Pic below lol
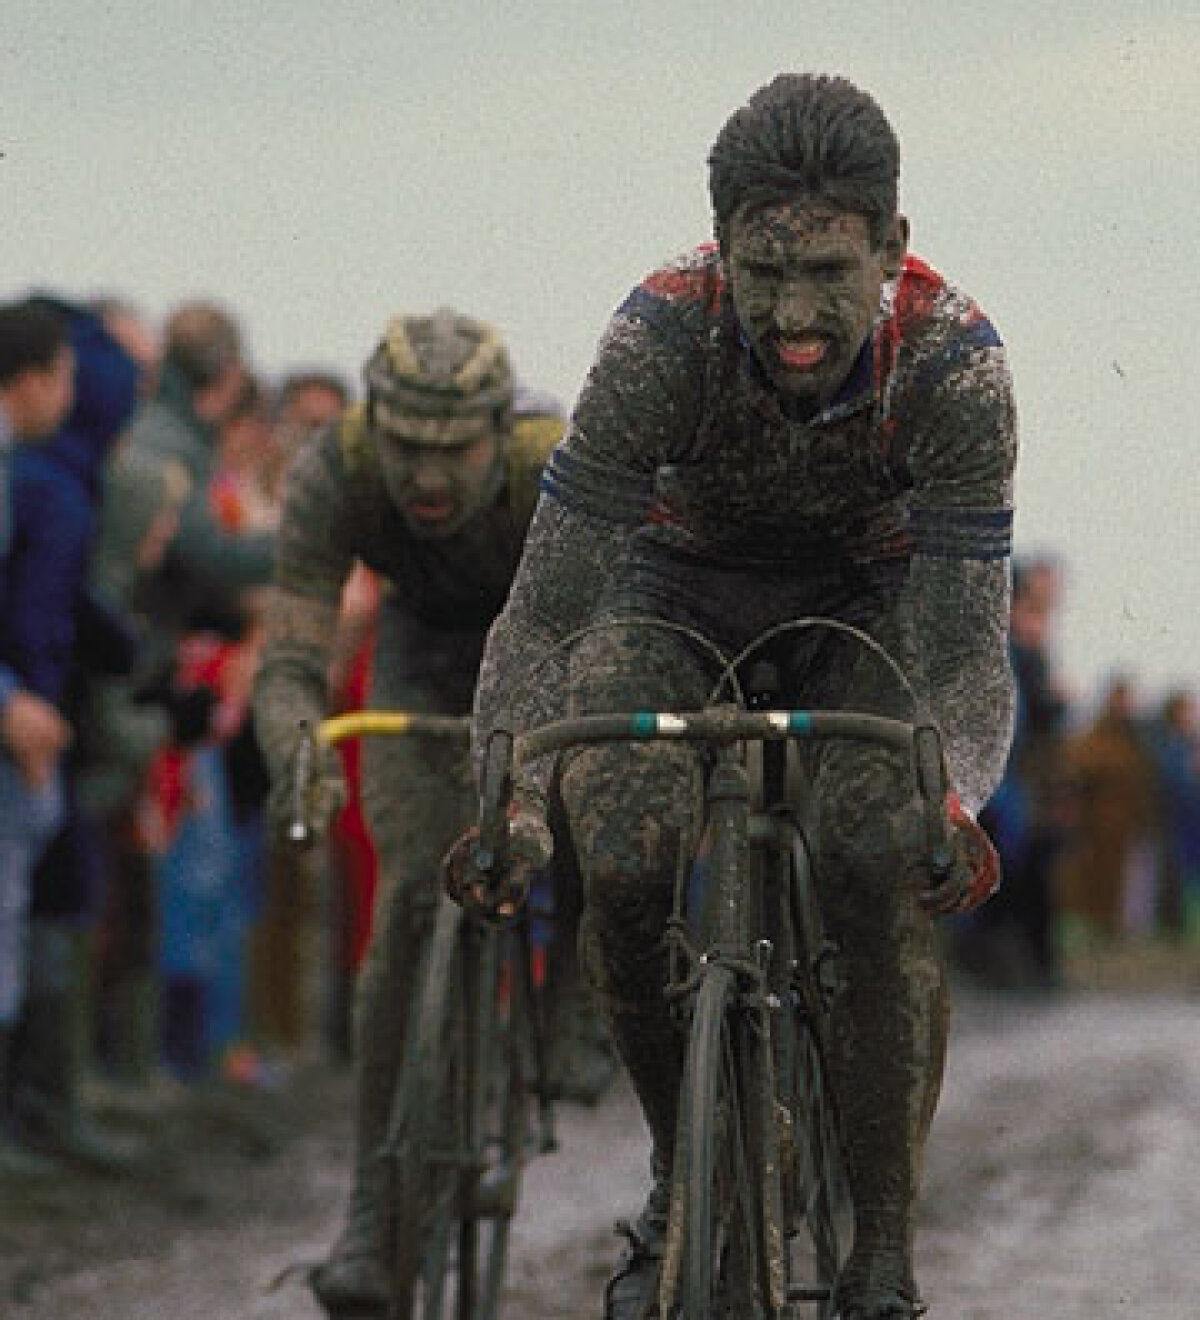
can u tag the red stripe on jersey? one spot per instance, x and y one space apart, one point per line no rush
701 283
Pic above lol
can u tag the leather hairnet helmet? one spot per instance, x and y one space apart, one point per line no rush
442 379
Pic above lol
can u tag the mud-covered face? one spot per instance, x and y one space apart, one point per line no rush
438 488
806 281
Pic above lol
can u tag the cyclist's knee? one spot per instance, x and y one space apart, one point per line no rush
629 807
624 922
630 812
872 827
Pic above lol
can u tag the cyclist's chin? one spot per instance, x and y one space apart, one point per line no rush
813 385
431 521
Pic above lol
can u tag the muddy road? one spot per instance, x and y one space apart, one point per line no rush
1064 1181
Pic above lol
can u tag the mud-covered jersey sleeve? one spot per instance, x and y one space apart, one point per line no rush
313 560
315 548
960 441
637 407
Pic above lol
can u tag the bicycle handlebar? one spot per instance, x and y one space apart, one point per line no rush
718 727
339 728
723 726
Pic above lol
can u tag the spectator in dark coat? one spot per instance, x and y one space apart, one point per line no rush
201 382
1102 875
58 632
36 383
1012 941
1174 741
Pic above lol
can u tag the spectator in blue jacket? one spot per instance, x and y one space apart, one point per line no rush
36 384
57 634
56 490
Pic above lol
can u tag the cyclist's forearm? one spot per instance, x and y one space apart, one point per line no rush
961 618
515 645
961 461
523 679
292 680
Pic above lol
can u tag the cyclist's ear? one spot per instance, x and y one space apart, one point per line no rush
895 247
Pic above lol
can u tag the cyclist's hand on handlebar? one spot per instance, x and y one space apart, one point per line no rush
974 872
498 895
305 823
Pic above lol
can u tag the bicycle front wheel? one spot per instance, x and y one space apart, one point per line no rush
819 1194
718 1184
458 1132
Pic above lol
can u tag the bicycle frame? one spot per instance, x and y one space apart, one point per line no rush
743 902
760 927
454 999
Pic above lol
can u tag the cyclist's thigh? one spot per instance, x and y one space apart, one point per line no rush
417 798
870 823
612 791
631 809
418 790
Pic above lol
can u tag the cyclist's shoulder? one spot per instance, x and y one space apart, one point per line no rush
319 480
682 296
648 376
531 442
346 443
928 321
538 425
945 386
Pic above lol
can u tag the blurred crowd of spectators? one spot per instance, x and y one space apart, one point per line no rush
147 926
1097 819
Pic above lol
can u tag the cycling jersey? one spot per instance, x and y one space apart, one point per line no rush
681 458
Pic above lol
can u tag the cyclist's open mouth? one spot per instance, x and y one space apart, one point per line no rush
802 354
430 512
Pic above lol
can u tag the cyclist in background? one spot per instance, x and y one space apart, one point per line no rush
430 483
798 419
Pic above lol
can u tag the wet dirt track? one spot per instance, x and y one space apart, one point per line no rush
1064 1181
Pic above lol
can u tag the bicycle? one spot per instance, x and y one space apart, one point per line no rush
757 1157
461 1127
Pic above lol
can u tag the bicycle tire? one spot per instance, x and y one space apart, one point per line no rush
818 1188
717 1171
458 1134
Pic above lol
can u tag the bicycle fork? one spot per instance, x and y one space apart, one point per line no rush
734 917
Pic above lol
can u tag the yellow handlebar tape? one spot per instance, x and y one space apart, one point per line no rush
340 727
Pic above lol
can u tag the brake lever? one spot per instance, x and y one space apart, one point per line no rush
930 767
300 830
495 795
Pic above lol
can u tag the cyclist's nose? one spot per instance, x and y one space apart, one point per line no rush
796 309
428 475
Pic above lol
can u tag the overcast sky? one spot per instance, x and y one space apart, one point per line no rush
320 164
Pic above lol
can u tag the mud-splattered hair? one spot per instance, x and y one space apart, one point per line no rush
808 135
